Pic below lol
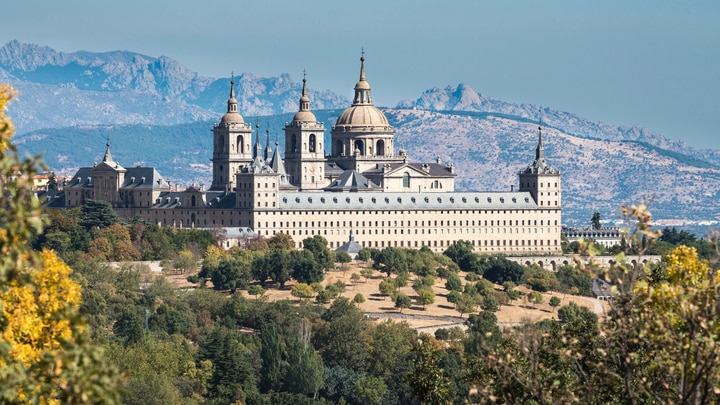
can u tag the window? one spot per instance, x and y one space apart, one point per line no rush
312 142
406 180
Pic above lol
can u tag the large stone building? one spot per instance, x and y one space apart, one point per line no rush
361 186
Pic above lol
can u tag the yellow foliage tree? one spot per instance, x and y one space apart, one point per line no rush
44 355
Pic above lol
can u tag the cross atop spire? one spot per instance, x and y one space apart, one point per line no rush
108 157
362 65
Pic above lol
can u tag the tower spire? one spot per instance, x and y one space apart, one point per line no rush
268 151
540 150
304 100
108 157
232 102
362 88
362 65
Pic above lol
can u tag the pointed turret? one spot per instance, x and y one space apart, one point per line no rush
304 114
540 150
362 87
232 116
540 165
257 150
108 157
268 151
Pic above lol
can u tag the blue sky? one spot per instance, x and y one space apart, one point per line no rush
650 63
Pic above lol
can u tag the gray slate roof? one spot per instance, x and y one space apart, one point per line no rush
406 201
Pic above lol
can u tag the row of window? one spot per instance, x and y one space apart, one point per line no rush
374 200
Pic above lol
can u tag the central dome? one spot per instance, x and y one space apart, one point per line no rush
362 116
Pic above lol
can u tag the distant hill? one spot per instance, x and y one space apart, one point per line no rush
84 88
70 102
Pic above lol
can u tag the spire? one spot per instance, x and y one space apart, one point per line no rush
232 102
268 151
304 100
108 157
362 65
540 150
257 151
362 88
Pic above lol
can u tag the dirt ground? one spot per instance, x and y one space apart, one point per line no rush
439 314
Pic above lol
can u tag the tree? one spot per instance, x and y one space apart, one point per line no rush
366 273
535 298
391 260
343 257
454 297
402 301
364 255
305 267
359 298
279 265
97 214
461 252
369 390
355 278
318 246
343 337
596 220
44 353
453 283
387 287
281 241
256 290
425 296
467 304
554 302
427 379
499 270
490 303
302 290
305 367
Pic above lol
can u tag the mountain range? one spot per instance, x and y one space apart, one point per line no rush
159 113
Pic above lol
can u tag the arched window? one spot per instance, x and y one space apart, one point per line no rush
339 150
221 146
312 143
406 180
240 145
293 143
360 147
380 148
192 203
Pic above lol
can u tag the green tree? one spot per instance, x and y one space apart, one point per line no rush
387 287
554 302
425 296
256 290
427 379
318 246
305 367
595 221
281 241
454 297
499 270
535 297
305 267
369 390
490 303
343 257
467 304
302 290
343 336
453 283
359 298
402 301
391 260
364 255
97 214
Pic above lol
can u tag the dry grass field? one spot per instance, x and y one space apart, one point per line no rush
440 313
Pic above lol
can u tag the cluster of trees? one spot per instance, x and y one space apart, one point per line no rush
94 231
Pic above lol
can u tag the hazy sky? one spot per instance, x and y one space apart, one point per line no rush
651 63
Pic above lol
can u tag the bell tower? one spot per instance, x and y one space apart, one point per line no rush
231 145
304 151
542 180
